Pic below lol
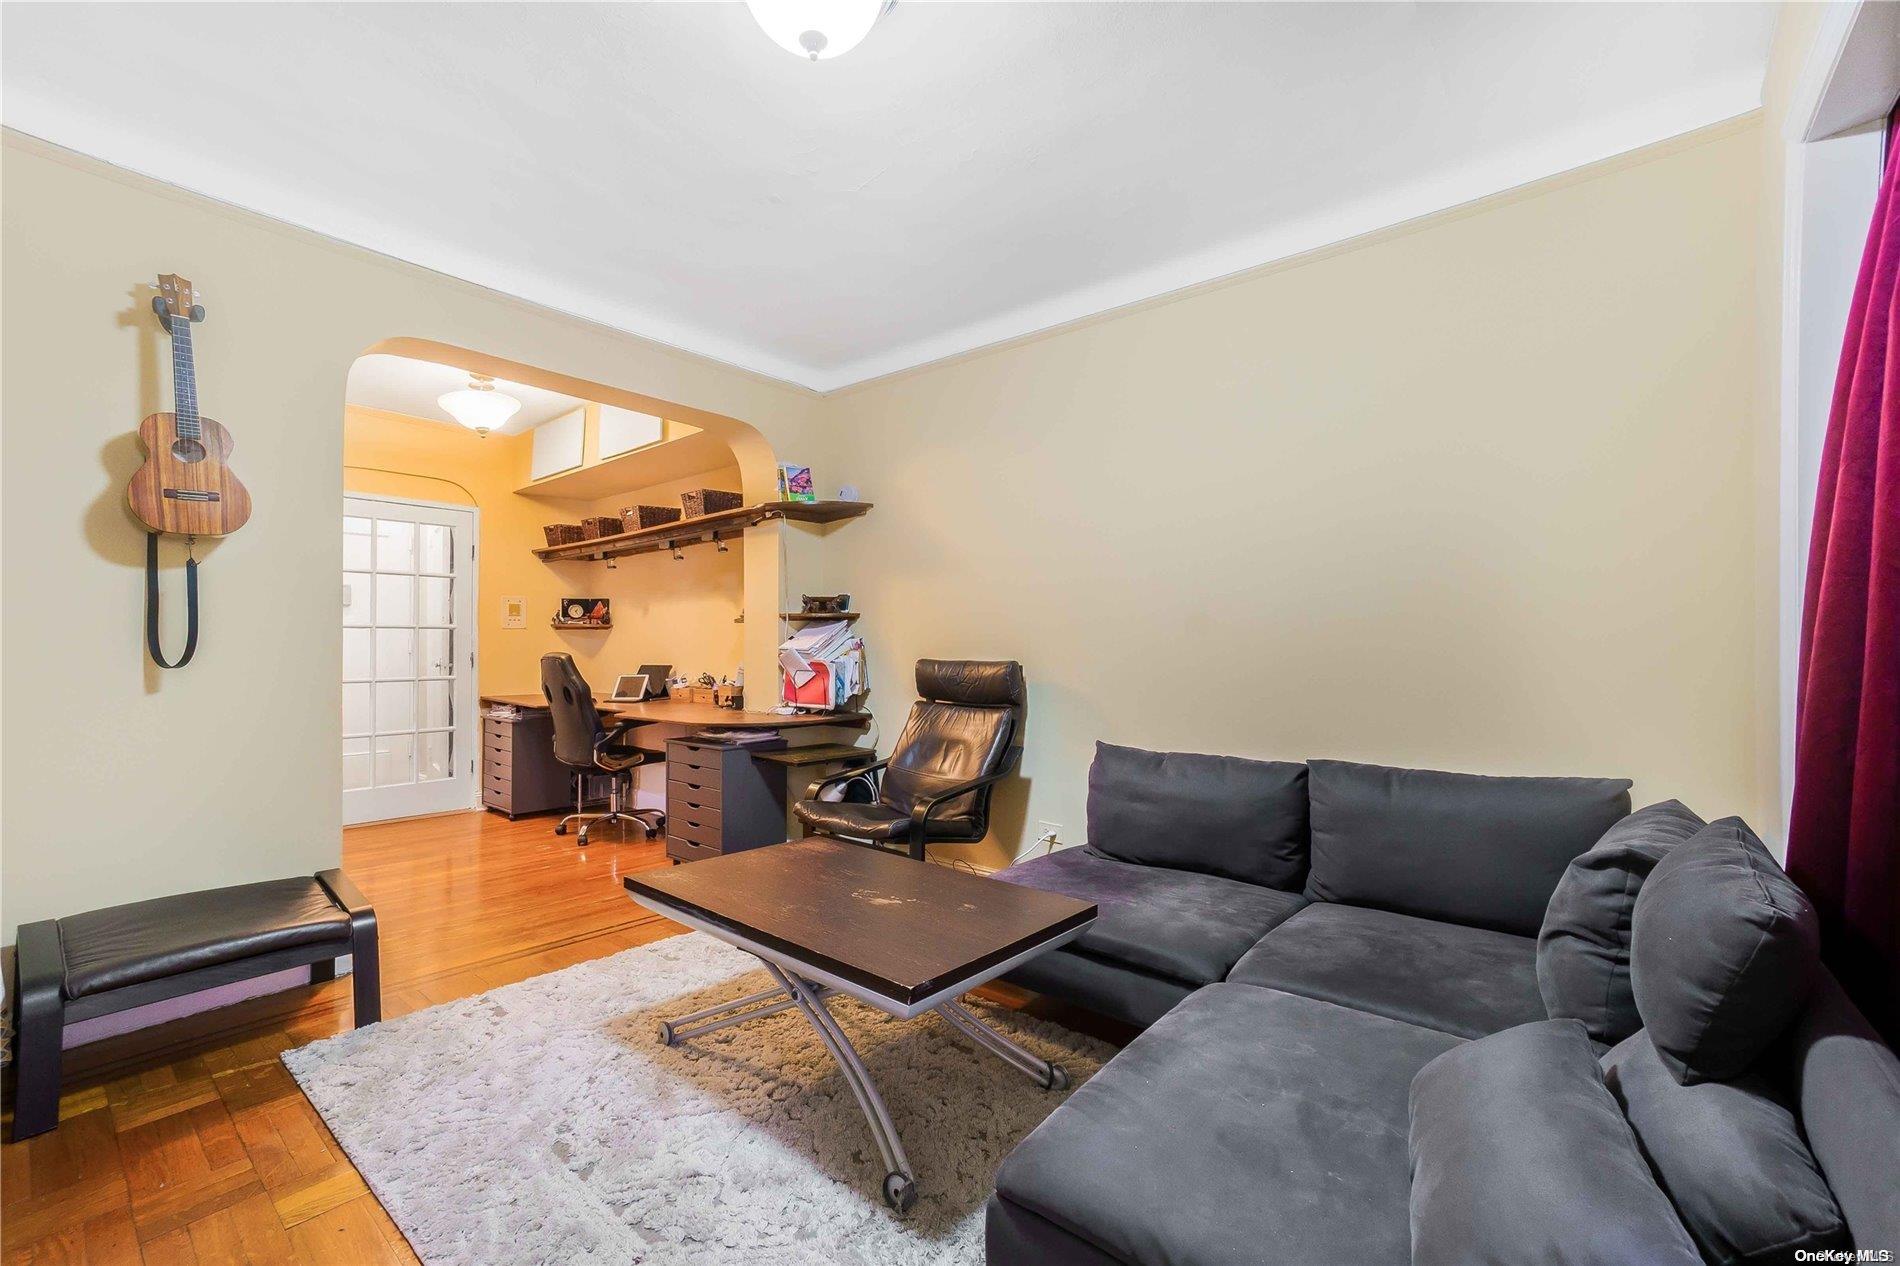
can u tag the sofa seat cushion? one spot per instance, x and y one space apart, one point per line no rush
168 936
1247 1125
1177 923
1461 980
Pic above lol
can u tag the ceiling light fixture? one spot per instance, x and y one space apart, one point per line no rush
818 29
478 406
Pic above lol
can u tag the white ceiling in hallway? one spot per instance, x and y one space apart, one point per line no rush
970 173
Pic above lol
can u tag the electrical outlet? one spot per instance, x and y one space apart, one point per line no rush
1049 833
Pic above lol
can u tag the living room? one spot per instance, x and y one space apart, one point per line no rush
1438 388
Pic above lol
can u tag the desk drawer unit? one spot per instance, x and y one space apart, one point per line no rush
720 800
519 772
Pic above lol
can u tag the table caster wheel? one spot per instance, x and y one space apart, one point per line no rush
666 1033
560 829
1058 1078
900 1192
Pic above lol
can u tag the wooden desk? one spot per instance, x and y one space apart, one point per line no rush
711 716
520 774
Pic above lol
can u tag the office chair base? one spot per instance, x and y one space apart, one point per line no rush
651 821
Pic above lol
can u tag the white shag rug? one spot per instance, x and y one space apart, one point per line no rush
545 1122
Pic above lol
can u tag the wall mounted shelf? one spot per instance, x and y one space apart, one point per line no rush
703 530
580 624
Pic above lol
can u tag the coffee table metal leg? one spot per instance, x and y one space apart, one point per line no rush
900 1182
1049 1076
726 1014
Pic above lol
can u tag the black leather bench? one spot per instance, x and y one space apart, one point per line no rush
133 955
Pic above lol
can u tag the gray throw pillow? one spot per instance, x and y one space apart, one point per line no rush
1219 815
1462 848
1731 1156
1583 949
1519 1154
1724 951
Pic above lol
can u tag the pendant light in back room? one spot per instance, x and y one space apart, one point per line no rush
818 29
478 406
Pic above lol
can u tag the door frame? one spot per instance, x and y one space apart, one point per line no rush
474 632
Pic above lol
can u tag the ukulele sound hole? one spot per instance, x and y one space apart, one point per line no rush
188 450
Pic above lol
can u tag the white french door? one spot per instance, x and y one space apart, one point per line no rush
409 725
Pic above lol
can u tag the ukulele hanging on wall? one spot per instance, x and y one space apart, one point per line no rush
184 488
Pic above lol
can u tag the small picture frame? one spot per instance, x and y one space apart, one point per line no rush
794 483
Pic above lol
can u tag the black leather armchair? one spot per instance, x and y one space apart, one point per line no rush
589 749
963 737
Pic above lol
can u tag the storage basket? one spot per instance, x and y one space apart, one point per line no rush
563 533
633 518
598 525
703 501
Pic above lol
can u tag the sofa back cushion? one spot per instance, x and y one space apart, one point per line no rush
1846 1083
1583 949
1219 815
1464 848
1731 1156
1724 951
1519 1154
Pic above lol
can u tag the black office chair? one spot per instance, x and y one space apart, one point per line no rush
964 735
590 749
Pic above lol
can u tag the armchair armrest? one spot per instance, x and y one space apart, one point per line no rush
612 738
811 792
920 811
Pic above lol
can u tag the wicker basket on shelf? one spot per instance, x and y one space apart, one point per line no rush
598 525
704 501
633 518
563 533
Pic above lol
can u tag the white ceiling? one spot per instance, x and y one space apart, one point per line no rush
402 385
972 172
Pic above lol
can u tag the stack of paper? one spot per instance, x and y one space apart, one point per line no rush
823 665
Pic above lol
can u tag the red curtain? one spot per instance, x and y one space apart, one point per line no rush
1844 833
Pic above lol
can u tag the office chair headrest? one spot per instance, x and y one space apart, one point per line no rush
972 681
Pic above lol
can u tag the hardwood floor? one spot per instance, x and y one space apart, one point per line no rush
190 1143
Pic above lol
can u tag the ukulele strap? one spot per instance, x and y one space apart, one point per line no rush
151 603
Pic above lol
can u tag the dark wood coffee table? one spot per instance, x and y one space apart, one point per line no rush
903 936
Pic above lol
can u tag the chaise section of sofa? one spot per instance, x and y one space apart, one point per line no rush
1246 1125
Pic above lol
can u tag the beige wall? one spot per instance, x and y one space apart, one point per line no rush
121 782
1481 494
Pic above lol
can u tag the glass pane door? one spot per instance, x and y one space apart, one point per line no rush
408 659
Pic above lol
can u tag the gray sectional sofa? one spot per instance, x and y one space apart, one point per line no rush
1399 1015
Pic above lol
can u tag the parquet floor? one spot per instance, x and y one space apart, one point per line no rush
189 1143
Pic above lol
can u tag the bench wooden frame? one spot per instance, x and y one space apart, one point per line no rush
42 1010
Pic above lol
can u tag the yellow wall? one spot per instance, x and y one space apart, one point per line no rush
666 611
121 782
1479 494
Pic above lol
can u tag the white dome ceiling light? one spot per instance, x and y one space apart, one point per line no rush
478 406
818 29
